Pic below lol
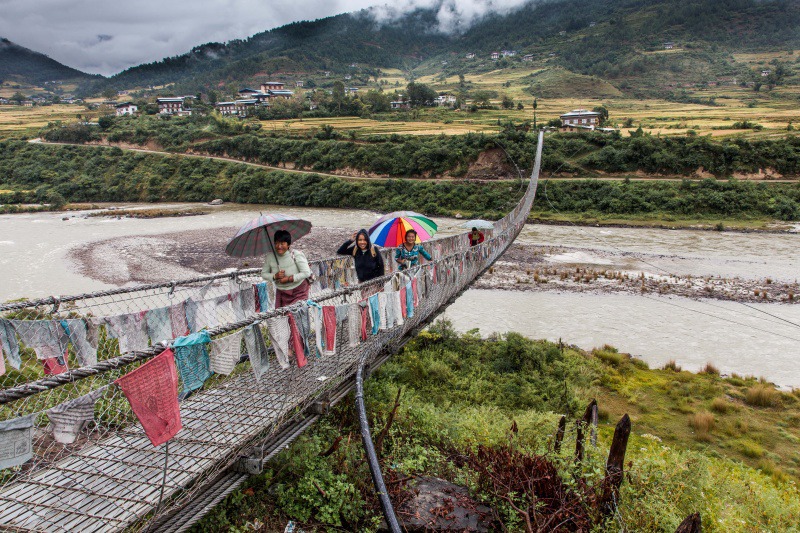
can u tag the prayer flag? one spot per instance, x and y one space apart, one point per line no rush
151 390
16 441
192 359
68 418
225 353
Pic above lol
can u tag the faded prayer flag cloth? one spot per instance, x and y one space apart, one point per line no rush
55 365
256 350
2 363
192 359
364 319
8 343
45 337
315 324
296 339
329 321
152 391
225 353
76 332
177 318
130 329
403 304
353 324
262 297
159 326
415 290
69 417
16 441
279 333
375 315
409 299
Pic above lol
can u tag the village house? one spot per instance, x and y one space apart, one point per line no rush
527 57
172 106
562 33
445 100
27 103
122 93
126 108
272 86
495 55
247 92
401 104
470 56
580 119
226 108
592 24
669 45
298 83
509 53
4 101
765 73
351 90
244 108
348 77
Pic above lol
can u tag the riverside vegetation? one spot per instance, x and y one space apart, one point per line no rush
58 174
725 447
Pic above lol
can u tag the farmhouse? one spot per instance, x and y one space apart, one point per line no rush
126 108
248 92
445 99
272 86
470 56
298 83
669 45
765 73
495 55
172 106
581 118
351 90
401 104
226 108
527 57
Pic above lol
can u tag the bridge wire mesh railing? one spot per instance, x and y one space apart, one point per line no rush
106 469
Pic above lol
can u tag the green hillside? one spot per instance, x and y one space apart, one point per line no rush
620 41
22 65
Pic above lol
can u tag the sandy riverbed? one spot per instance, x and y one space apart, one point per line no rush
524 267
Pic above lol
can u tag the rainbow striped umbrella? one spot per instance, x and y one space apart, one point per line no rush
255 237
390 230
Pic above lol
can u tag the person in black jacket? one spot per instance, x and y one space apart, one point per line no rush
367 256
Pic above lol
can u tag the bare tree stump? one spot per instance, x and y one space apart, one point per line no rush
582 423
593 423
562 428
690 525
615 465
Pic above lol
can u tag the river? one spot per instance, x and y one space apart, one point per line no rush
35 262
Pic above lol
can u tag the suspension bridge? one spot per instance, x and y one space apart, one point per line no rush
73 453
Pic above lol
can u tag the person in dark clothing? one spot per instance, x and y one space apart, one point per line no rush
367 256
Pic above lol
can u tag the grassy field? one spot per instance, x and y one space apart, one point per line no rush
16 120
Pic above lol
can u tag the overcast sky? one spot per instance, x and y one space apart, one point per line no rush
103 37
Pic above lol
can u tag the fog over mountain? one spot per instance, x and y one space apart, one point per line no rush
104 38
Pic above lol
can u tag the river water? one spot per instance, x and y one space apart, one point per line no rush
34 262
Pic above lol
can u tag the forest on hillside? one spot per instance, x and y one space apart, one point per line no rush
605 38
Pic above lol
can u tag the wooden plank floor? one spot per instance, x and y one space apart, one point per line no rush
110 485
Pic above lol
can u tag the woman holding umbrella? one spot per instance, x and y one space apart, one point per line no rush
366 256
407 255
288 269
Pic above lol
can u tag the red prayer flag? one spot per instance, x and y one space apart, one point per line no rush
152 391
54 365
297 342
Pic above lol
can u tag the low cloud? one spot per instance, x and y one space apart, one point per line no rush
453 16
99 37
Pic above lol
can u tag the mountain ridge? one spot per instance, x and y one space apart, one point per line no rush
23 65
